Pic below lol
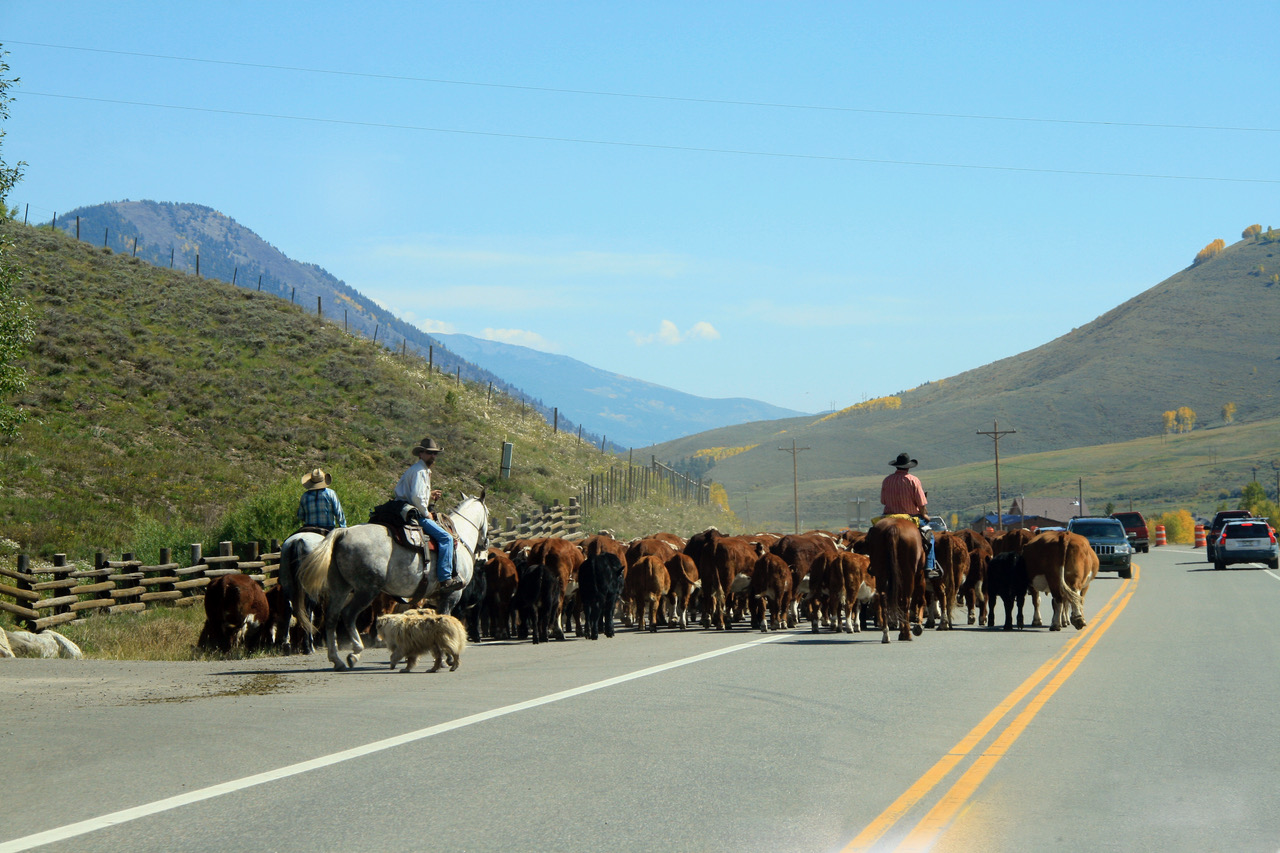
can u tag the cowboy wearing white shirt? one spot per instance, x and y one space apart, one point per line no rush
415 488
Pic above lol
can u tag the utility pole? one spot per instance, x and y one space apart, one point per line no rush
996 434
795 477
1275 466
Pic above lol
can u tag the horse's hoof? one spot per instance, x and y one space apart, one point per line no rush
917 629
352 660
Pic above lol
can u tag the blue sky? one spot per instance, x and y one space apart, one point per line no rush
805 203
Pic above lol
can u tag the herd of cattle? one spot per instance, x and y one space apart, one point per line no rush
541 588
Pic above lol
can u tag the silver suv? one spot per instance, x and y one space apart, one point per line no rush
1249 540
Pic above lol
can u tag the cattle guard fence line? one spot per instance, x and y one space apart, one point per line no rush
62 593
631 483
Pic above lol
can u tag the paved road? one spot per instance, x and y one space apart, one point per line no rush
1153 729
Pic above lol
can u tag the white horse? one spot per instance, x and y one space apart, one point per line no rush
354 564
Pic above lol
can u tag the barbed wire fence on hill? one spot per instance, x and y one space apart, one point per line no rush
391 332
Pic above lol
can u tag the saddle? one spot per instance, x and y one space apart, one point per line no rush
401 520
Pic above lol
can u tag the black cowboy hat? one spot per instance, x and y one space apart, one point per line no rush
427 445
904 461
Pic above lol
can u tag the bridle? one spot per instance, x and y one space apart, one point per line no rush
482 532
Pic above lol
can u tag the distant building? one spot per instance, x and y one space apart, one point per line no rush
1035 512
1047 512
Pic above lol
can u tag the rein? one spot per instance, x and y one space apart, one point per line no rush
481 536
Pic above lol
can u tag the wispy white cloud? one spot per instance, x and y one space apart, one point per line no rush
520 337
669 334
439 326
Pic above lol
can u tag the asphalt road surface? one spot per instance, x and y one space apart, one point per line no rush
1152 729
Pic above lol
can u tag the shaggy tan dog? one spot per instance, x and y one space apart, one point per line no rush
416 632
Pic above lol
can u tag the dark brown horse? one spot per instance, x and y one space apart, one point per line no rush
897 555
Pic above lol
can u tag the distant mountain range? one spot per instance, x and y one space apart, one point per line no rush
624 411
627 411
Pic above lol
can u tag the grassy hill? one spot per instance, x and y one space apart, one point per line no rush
167 409
192 237
1202 338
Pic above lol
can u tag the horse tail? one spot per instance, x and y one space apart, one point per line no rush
313 572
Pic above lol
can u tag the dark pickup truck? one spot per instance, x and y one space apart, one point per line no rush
1135 529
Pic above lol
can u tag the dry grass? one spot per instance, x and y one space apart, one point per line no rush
162 633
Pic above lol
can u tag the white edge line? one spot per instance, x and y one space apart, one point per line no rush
84 827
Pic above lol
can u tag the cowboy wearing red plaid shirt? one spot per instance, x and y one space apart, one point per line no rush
902 493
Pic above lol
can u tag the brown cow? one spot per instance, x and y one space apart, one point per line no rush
897 555
974 590
938 596
684 581
235 613
849 586
561 557
1061 564
799 550
501 581
770 591
815 598
604 541
646 585
732 562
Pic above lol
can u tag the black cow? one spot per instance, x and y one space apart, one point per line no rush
599 585
538 599
471 605
1007 580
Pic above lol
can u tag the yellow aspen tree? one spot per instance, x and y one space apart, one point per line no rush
1170 421
1251 231
1229 412
1186 419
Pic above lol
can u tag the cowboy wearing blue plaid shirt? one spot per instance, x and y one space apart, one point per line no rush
320 506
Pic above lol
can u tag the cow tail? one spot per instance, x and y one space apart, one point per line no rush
1069 594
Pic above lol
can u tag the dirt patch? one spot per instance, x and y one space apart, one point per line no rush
262 684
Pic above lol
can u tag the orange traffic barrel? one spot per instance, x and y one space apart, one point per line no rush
1160 540
1201 540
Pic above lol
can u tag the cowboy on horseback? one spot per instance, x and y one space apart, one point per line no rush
415 488
903 494
319 508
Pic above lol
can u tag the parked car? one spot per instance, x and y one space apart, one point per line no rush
1109 542
1135 527
937 524
1251 540
1215 530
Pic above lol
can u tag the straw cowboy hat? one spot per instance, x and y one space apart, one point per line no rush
317 479
427 445
904 461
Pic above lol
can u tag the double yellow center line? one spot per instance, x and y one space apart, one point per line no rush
926 832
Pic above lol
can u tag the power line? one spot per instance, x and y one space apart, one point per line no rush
660 147
650 97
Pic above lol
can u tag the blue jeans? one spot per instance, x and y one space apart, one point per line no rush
444 544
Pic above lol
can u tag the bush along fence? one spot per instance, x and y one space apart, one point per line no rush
632 482
55 595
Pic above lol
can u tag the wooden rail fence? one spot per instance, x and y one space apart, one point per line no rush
62 593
